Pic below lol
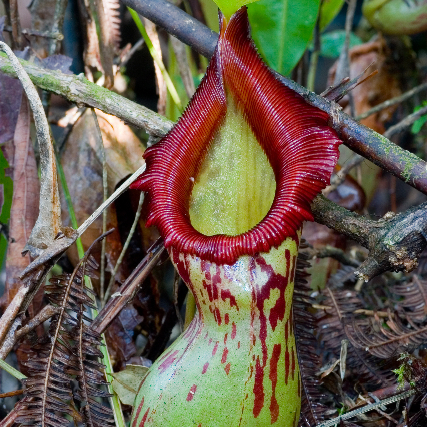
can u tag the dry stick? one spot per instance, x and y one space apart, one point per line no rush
54 43
367 408
58 21
30 32
81 91
110 200
15 334
407 121
340 176
11 393
129 289
104 38
48 223
14 20
128 55
392 101
184 69
12 310
162 91
58 247
314 58
125 247
105 196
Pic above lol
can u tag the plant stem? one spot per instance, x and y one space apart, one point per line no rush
125 247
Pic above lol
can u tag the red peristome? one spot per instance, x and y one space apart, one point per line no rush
295 136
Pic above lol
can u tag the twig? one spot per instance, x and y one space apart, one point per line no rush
394 243
343 66
12 393
128 55
110 200
129 288
125 247
84 93
340 176
407 121
178 23
105 196
12 310
392 101
14 20
104 39
29 32
338 254
48 223
59 246
15 334
184 68
367 408
54 43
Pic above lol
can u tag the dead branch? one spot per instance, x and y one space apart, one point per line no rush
129 289
394 242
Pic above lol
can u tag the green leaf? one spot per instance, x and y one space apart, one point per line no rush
282 30
7 183
418 124
328 11
228 7
126 383
332 43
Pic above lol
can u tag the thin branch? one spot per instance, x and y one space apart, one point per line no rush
60 245
129 53
12 310
180 52
336 253
110 200
48 223
105 196
84 93
104 38
394 243
14 20
30 32
340 176
392 101
15 334
367 408
407 121
129 289
178 23
125 247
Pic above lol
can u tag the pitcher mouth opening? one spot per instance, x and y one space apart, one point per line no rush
300 147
